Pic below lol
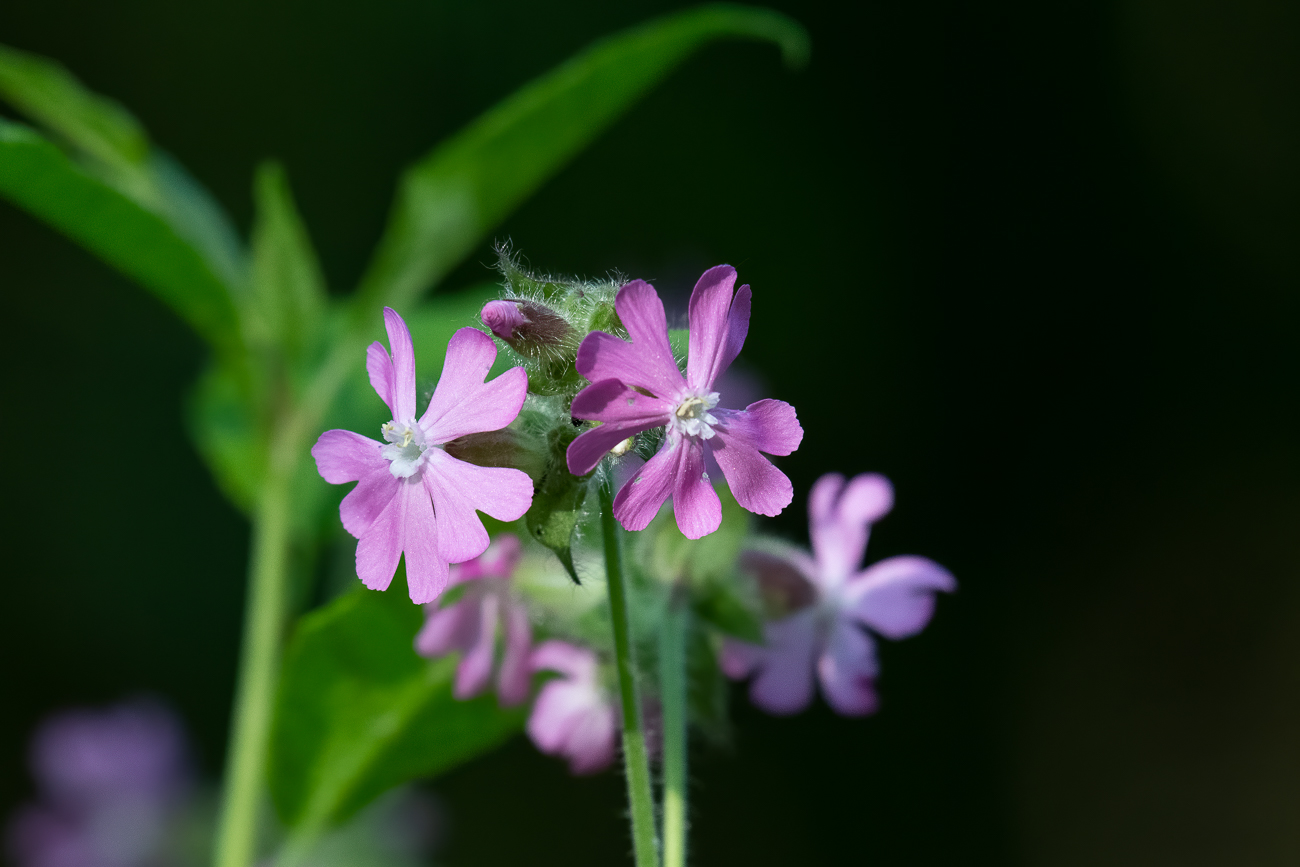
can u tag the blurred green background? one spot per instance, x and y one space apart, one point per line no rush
1040 265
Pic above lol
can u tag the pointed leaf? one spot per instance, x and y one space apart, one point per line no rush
449 201
287 282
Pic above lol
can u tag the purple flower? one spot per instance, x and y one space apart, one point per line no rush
413 497
470 625
832 603
637 386
111 784
572 717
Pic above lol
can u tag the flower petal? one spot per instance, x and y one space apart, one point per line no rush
568 659
380 546
770 426
459 488
475 669
847 670
639 500
403 355
426 567
757 485
343 456
558 709
463 403
695 504
450 628
379 364
648 360
739 659
623 413
840 518
895 597
590 744
363 503
718 325
515 676
784 684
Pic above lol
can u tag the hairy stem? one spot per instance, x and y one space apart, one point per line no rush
672 694
636 761
259 659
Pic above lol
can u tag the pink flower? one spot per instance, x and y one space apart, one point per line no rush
834 602
413 497
573 717
470 626
637 386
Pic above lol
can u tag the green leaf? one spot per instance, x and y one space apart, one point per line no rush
46 92
288 287
358 712
451 199
37 176
104 146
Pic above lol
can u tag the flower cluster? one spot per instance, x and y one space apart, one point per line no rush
597 368
112 784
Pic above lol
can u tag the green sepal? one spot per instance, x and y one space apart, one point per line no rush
559 502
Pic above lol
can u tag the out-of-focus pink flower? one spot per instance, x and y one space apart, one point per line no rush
413 497
470 625
637 386
111 783
834 604
573 717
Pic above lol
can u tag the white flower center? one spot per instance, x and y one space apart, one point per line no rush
405 449
692 417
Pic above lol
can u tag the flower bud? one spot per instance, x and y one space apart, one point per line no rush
531 329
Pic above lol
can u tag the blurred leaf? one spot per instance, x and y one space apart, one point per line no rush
725 605
37 176
287 282
450 200
706 687
358 712
223 425
46 92
111 145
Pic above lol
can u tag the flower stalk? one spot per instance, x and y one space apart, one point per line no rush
673 631
259 658
636 760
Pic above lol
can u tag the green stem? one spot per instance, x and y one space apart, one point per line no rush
259 658
637 763
672 693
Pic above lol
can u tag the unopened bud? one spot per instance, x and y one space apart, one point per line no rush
503 317
623 448
530 328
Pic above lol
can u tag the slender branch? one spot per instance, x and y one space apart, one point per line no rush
673 630
636 761
259 659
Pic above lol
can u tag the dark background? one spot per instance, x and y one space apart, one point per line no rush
1039 265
